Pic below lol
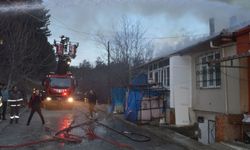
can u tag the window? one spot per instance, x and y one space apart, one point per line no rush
156 77
208 76
166 76
151 75
162 79
150 67
155 65
164 63
60 82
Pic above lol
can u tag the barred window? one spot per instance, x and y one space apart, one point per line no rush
166 76
150 75
155 65
156 79
208 76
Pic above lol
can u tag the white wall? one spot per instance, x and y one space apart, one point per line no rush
181 88
224 99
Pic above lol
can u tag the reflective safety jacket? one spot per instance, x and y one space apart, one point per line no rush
15 99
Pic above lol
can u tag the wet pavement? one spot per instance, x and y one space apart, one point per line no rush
60 119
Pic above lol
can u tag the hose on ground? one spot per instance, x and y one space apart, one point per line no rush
65 136
129 135
141 137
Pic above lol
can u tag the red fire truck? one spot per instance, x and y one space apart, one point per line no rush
60 86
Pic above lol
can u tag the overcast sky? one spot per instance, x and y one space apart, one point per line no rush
82 19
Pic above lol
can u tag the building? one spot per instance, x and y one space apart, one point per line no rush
214 87
207 85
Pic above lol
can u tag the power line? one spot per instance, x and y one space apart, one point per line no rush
93 35
83 33
234 77
180 36
70 28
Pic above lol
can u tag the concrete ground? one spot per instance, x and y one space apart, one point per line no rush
187 142
11 134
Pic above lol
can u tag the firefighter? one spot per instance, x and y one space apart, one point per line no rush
92 101
35 105
5 97
15 100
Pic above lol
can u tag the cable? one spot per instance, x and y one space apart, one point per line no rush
41 20
125 133
92 35
69 28
234 77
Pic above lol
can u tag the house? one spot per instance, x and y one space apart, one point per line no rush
214 89
208 84
205 86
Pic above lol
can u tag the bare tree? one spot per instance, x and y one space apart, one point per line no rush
128 47
128 44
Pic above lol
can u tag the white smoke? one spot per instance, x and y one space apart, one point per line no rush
100 15
18 7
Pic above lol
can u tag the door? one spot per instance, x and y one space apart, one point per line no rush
211 131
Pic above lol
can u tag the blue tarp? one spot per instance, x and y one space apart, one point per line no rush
134 102
135 96
133 105
118 97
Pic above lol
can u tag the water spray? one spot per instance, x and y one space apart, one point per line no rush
19 7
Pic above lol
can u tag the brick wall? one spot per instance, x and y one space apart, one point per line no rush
170 116
228 127
219 128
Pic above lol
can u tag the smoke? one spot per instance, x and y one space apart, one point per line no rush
101 15
241 3
18 7
93 13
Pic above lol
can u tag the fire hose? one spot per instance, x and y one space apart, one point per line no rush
57 137
143 138
129 135
64 136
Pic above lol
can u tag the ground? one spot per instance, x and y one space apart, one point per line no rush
19 133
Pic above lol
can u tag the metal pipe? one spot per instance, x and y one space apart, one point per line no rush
212 45
226 84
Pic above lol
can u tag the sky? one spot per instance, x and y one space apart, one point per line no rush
166 21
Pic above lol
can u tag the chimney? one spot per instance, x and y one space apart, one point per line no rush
233 22
211 26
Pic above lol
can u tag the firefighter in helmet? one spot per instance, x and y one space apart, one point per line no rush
35 105
92 99
15 101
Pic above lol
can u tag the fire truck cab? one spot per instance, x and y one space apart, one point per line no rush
59 87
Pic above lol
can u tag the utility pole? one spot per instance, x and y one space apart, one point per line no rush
109 83
108 54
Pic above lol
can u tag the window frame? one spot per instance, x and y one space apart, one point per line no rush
166 76
208 81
